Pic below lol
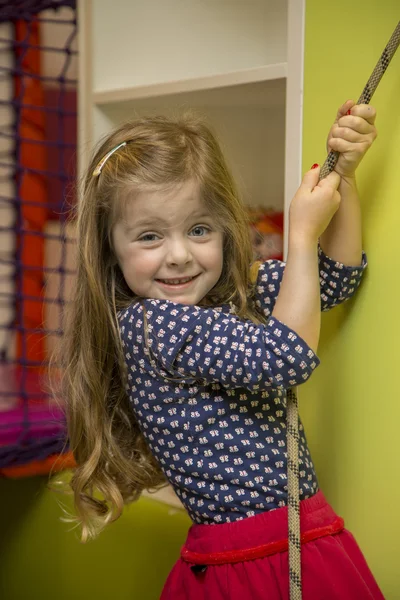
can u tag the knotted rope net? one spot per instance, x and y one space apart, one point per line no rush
37 171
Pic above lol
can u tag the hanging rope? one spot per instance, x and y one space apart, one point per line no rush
292 402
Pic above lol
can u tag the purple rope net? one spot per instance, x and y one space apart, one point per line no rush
32 426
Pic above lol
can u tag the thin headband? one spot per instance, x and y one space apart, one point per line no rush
105 158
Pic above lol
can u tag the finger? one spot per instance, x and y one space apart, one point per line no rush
332 181
340 145
343 109
310 179
365 111
345 133
359 124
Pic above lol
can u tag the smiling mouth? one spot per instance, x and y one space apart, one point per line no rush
177 281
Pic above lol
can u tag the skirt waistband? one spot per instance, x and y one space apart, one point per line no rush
260 535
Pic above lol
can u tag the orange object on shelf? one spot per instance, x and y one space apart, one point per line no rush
267 234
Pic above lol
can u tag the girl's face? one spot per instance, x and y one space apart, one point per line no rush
169 246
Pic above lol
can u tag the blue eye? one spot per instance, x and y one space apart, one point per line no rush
148 237
200 230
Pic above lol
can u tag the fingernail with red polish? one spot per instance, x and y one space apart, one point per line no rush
315 166
349 112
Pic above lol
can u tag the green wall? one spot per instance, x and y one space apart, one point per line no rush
351 406
41 559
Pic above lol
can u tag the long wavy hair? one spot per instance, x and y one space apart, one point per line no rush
114 463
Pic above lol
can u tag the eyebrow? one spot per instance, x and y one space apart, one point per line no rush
151 222
143 223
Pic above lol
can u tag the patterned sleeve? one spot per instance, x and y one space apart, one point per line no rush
192 342
338 282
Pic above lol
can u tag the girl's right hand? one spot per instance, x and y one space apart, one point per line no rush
313 206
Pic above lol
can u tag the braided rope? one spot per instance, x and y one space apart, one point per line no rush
292 401
294 543
367 92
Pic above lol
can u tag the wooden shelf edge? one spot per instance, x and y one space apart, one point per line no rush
253 75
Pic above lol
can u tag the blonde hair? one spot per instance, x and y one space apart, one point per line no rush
112 457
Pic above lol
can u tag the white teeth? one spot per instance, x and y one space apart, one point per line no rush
176 281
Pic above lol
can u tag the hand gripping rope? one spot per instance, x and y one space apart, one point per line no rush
294 537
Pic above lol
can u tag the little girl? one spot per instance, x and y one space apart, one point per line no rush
177 364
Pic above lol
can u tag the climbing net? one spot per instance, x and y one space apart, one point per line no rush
38 83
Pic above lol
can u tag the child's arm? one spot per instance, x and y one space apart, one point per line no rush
298 304
341 261
188 343
342 240
351 135
338 282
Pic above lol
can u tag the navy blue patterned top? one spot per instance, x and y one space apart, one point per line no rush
208 391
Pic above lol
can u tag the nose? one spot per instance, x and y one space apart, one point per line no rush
178 252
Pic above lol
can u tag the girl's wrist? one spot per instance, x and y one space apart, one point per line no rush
348 182
301 242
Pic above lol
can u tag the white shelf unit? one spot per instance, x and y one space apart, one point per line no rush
237 62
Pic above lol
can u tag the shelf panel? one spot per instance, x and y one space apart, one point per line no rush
249 120
188 86
139 43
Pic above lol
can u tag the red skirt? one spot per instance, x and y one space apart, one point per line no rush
248 559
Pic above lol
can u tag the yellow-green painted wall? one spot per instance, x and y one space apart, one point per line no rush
351 406
40 558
